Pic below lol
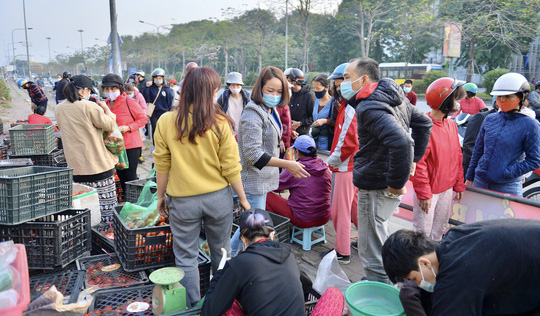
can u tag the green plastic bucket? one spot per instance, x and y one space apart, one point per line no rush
369 298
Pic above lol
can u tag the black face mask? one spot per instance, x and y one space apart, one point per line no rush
470 94
320 94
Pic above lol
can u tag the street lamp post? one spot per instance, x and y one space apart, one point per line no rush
82 50
26 37
49 41
13 41
157 32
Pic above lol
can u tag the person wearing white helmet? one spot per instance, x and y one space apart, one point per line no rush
508 145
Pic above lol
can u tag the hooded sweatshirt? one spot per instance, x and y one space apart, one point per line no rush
309 197
265 280
301 106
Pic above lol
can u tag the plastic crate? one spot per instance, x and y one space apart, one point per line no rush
100 242
204 272
105 271
4 151
138 251
119 191
134 189
29 193
52 241
32 140
69 283
15 163
282 226
55 159
21 265
115 302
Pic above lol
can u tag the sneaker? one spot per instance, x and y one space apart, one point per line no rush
340 258
343 259
354 245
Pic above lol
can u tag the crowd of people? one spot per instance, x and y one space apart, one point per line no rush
253 146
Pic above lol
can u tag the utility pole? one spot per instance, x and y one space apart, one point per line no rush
114 39
26 36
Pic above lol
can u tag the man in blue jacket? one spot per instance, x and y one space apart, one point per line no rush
158 93
386 154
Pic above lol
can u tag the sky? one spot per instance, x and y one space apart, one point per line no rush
61 19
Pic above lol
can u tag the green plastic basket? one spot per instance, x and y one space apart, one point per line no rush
32 140
29 193
135 187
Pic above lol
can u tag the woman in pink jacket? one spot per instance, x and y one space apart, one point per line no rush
440 171
129 117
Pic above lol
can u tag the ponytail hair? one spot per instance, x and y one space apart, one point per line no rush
71 92
256 227
312 152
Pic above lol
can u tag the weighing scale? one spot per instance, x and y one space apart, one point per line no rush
169 295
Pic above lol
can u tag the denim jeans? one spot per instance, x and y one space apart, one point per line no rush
256 201
375 207
515 188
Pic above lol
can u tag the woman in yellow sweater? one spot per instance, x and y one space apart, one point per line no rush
196 158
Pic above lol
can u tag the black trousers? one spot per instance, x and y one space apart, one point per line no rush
153 120
130 173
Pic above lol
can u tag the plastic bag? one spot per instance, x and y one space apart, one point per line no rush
136 216
123 162
330 274
114 142
148 194
52 303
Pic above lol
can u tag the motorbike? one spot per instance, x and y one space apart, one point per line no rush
531 186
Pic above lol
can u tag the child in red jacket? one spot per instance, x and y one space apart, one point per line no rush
440 172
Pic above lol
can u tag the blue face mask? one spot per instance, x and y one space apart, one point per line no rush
132 95
407 89
271 100
425 285
346 89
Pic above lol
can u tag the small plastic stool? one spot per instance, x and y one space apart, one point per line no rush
306 233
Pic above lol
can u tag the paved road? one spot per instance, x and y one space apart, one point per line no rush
307 260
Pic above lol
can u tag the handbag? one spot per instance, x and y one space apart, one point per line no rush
152 106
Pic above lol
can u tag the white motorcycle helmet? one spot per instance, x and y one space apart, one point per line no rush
511 83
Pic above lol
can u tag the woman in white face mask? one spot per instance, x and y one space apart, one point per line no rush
129 117
234 98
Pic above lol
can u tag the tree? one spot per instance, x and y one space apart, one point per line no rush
488 23
363 18
263 22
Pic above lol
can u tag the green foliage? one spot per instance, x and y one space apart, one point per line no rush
420 86
491 76
432 76
4 92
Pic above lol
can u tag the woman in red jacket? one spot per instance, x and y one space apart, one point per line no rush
129 117
440 171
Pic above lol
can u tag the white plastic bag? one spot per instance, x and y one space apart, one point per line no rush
330 274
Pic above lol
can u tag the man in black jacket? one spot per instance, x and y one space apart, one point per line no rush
61 85
302 101
485 268
386 153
